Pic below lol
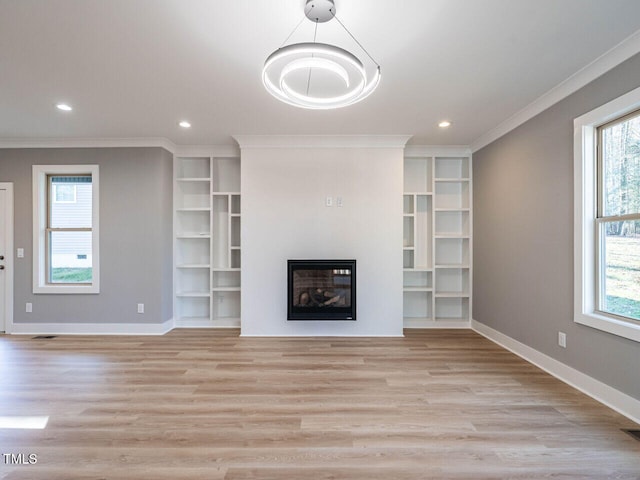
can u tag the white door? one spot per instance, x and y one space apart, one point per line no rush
6 248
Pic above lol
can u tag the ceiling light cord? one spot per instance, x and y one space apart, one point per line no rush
293 31
354 39
315 34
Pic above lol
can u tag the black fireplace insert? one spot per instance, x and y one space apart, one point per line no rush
321 290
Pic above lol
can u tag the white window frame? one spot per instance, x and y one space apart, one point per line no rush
585 207
40 173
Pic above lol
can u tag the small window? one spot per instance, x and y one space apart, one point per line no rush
69 229
66 256
618 218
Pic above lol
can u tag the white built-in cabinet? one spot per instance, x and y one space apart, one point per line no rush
437 231
207 241
437 228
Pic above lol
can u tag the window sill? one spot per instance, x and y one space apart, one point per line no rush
66 289
611 325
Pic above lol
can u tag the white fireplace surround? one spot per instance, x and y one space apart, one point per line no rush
285 184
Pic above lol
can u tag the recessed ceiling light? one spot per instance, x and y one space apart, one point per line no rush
184 124
444 124
64 107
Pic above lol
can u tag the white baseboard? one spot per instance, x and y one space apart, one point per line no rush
207 323
603 393
409 322
92 328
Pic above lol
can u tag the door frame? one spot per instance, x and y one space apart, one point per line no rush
8 287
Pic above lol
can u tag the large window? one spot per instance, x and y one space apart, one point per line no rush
607 217
65 229
618 217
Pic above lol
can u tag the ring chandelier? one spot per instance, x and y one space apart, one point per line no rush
344 74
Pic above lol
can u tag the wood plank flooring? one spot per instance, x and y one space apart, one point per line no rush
207 404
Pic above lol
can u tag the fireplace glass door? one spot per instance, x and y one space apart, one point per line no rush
321 290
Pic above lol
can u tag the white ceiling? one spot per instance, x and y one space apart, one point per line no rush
134 68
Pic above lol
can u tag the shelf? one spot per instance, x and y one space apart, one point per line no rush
193 236
452 295
452 235
225 289
225 304
437 236
207 241
193 294
452 195
457 168
192 307
418 174
188 168
452 252
454 308
417 302
225 175
417 289
452 209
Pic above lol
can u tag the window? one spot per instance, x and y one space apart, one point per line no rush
607 217
618 218
65 229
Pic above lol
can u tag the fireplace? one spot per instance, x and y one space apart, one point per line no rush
321 290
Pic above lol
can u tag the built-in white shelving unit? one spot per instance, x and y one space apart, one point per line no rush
437 239
207 213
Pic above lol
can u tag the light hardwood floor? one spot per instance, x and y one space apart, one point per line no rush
207 404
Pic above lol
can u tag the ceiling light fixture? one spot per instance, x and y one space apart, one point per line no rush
184 124
319 76
64 107
444 124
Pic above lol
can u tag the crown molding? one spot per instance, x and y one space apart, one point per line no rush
610 59
87 143
151 142
206 150
321 141
414 151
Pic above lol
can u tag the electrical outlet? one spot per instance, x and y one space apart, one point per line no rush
21 253
141 308
329 202
562 339
339 201
28 307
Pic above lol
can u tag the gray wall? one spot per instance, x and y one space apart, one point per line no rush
523 238
135 236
